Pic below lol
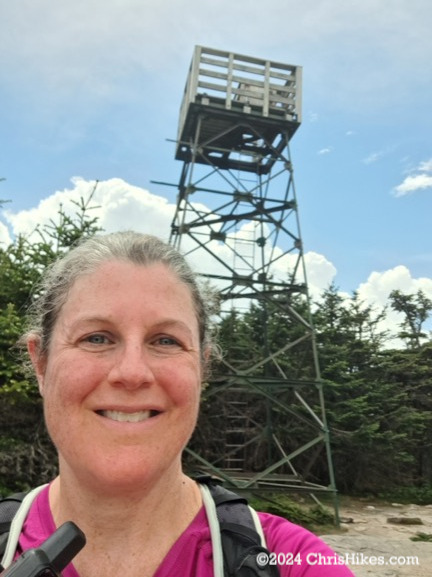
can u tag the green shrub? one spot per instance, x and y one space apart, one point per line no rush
417 495
425 537
312 517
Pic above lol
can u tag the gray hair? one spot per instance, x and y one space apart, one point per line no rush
87 256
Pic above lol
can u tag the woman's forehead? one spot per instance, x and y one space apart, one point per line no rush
107 275
126 285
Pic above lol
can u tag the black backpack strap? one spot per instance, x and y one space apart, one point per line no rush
18 506
241 543
8 507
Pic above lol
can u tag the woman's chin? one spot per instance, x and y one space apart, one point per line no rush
126 477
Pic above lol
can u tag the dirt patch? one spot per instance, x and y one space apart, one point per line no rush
373 545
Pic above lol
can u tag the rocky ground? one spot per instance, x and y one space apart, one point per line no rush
375 539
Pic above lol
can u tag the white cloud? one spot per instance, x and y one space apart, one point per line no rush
374 157
320 273
325 150
379 284
412 184
376 290
5 238
117 204
426 166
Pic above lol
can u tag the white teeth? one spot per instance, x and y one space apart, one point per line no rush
126 417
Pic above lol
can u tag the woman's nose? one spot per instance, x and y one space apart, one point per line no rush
132 367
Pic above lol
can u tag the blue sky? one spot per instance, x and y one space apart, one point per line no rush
91 90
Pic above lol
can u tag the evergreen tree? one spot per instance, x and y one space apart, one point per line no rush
26 455
375 427
416 309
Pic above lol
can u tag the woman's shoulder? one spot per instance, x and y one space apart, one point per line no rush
299 552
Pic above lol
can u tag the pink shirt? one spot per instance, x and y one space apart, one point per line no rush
303 554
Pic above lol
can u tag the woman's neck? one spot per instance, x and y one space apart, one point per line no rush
70 498
141 525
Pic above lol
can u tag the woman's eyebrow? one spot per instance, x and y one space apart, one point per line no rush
89 320
173 323
159 325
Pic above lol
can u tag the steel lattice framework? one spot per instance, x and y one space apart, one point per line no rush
237 220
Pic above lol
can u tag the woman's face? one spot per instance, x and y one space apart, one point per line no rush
122 377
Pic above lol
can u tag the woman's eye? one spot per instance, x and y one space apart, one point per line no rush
97 339
168 341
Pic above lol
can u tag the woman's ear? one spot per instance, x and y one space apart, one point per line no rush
38 360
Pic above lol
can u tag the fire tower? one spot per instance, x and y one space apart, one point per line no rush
236 220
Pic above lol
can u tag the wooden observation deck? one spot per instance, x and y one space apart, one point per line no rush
238 110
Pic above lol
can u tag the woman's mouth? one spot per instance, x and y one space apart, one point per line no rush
123 417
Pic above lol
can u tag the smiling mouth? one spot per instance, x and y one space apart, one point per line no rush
122 417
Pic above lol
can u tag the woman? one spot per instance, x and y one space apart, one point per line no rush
120 344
